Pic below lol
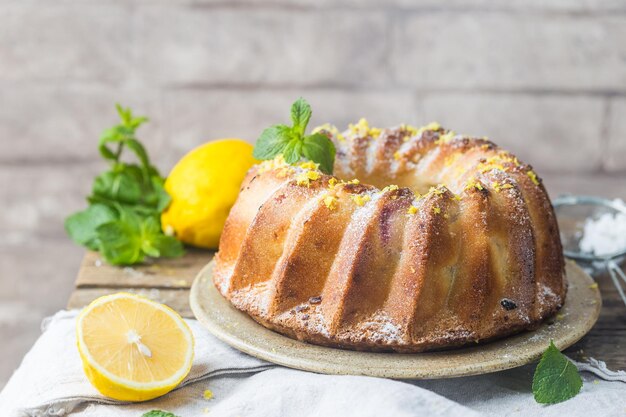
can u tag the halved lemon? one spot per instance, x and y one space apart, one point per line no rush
132 348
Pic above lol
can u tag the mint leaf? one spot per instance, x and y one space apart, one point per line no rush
121 186
556 378
300 115
150 228
126 201
293 151
272 142
168 246
163 199
318 148
129 239
292 143
121 240
136 146
81 226
126 115
158 413
121 135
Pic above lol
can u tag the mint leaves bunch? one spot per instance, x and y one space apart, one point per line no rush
158 413
122 221
293 143
556 378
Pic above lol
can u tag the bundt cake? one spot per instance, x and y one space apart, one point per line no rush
422 239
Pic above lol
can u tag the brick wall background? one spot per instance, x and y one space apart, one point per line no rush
546 79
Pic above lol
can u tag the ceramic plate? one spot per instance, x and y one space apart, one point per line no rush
576 318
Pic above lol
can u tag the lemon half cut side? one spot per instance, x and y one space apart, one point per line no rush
132 348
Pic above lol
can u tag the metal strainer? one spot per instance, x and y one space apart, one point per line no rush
571 213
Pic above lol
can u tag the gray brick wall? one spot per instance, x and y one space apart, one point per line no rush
546 79
538 77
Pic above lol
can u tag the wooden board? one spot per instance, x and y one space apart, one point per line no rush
164 273
166 281
606 341
576 317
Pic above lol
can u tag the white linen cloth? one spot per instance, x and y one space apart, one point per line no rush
50 382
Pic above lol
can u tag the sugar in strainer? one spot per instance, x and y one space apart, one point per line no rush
572 213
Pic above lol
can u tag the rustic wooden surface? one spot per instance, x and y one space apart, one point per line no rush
168 281
607 340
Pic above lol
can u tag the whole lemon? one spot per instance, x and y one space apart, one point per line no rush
204 185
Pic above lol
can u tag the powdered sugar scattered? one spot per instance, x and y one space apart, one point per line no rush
547 292
381 327
317 324
605 234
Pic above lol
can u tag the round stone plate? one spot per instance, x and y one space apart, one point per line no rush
575 319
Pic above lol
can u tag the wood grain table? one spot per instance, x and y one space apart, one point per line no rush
169 281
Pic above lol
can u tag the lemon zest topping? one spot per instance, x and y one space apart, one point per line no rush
391 187
363 129
411 210
277 164
498 161
397 155
445 138
533 177
413 131
330 202
436 210
308 165
330 129
306 177
271 164
474 184
498 187
437 190
334 182
489 167
360 200
207 394
409 130
361 126
430 126
507 157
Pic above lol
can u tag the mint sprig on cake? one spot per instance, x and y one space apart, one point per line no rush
293 142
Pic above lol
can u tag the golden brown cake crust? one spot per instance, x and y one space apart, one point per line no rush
463 248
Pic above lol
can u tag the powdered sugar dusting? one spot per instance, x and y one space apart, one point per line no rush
381 327
605 234
547 292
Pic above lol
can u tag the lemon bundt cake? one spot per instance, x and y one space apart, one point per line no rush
422 239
